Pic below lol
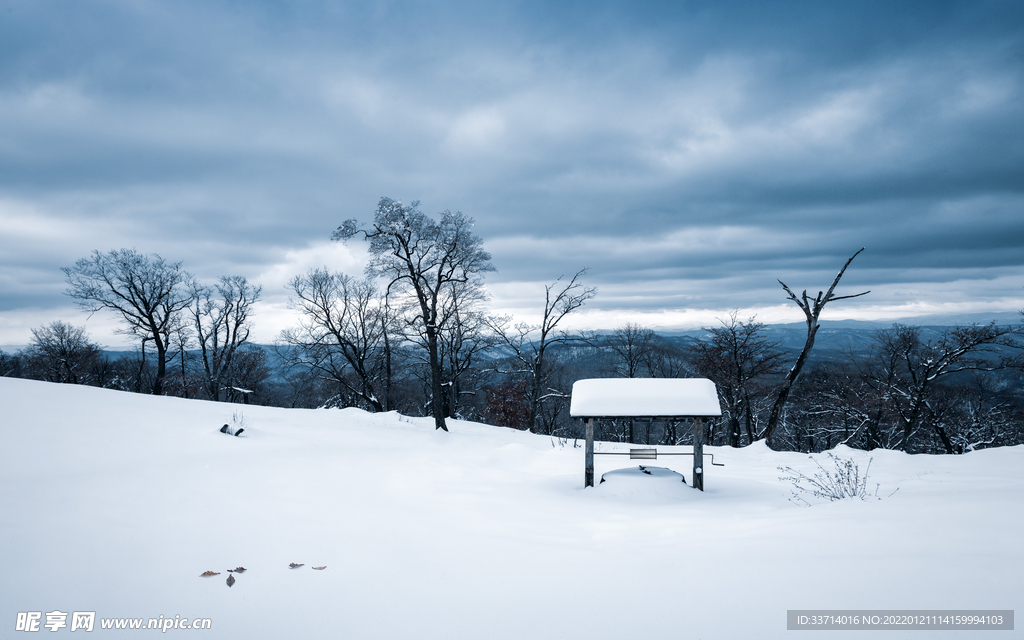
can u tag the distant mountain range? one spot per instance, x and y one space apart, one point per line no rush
833 334
857 336
934 320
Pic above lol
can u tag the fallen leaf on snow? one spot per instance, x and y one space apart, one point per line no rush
320 568
231 580
209 574
237 570
295 566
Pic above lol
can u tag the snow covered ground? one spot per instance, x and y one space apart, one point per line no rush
116 503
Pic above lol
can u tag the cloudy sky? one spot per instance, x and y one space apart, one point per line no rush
688 153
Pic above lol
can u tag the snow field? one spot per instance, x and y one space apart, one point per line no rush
115 503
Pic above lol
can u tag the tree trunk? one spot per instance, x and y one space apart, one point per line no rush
945 439
437 401
142 368
748 419
734 429
161 368
910 422
387 371
787 384
535 385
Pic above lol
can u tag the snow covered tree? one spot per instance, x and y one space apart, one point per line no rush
908 369
146 291
421 257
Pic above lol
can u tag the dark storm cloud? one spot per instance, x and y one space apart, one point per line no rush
689 153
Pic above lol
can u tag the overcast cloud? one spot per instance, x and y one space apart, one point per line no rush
689 156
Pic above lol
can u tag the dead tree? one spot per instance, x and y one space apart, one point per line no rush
812 309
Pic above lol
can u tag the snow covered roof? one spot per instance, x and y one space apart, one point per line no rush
644 398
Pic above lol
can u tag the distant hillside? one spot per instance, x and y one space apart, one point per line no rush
843 336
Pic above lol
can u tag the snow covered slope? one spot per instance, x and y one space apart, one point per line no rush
116 503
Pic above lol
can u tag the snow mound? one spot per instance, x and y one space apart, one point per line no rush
645 483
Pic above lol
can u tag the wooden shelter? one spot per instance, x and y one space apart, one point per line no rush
661 399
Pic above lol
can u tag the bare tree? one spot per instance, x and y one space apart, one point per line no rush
530 343
422 258
812 309
341 332
249 371
735 355
463 337
60 352
148 293
221 317
633 345
986 421
507 404
666 360
182 384
909 369
836 406
10 364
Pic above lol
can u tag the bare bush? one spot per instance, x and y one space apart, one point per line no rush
844 481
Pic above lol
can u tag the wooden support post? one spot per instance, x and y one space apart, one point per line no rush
588 473
698 454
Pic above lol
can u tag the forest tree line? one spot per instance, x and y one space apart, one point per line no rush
413 334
